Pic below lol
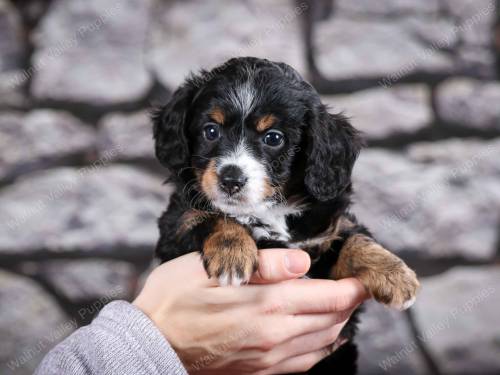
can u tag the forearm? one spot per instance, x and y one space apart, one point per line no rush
120 340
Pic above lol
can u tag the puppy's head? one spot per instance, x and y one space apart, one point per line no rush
247 133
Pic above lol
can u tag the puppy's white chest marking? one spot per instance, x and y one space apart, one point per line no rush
270 223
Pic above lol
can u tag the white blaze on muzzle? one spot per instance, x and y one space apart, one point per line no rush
254 190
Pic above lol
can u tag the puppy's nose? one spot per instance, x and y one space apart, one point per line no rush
232 179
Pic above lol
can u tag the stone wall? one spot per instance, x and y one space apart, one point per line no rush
80 189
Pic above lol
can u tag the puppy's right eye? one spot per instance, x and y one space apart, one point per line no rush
211 132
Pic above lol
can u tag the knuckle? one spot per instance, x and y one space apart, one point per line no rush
339 303
265 270
342 316
267 344
273 307
333 333
271 303
266 341
266 361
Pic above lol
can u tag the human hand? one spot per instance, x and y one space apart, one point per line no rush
283 327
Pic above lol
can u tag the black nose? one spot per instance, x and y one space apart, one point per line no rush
232 179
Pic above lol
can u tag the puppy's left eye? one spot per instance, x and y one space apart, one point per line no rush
273 138
211 132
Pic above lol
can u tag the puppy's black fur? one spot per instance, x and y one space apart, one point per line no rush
308 173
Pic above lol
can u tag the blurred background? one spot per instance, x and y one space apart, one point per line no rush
80 189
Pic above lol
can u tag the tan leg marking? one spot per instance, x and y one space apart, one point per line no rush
386 277
230 253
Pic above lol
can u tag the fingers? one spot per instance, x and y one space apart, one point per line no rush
298 364
318 296
303 344
280 264
277 330
186 267
310 342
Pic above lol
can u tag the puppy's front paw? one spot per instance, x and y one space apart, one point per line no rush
231 269
386 277
232 259
396 287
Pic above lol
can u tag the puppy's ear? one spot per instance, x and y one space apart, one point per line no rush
333 146
169 129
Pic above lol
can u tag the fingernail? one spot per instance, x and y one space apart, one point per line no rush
296 261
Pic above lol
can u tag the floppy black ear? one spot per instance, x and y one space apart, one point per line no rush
169 130
333 146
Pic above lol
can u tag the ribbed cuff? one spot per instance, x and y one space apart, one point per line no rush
143 341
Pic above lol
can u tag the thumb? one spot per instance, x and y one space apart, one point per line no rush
280 264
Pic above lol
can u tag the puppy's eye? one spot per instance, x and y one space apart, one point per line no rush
273 138
211 132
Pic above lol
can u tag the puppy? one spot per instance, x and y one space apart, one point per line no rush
259 162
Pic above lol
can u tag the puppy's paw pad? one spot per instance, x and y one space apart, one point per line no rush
398 289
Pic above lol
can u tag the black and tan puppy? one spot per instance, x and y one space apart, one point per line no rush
259 162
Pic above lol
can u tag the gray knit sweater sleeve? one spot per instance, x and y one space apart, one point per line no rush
120 340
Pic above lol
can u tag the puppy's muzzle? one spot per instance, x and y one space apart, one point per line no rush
232 179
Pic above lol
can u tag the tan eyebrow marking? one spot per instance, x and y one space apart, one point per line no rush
265 122
217 115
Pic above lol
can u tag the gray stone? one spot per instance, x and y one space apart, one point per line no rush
386 7
11 89
474 20
95 209
31 323
470 103
381 113
435 33
12 53
476 61
208 33
457 315
470 154
39 139
11 38
131 133
353 49
438 200
92 52
386 344
473 25
87 279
